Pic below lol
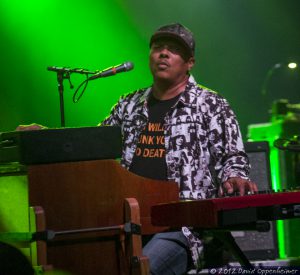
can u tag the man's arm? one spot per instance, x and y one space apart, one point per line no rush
29 127
232 163
115 116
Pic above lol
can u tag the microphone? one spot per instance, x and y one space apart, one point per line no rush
125 67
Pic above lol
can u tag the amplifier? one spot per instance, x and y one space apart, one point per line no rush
259 245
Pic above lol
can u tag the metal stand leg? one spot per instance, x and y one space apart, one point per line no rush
229 241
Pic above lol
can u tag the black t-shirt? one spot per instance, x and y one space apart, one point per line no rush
149 159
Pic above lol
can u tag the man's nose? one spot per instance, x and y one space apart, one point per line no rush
164 50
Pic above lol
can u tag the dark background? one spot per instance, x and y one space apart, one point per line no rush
238 42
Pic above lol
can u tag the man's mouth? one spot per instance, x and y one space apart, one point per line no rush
163 65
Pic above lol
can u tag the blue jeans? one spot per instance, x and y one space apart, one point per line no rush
168 253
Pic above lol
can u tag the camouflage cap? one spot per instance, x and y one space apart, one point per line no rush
178 32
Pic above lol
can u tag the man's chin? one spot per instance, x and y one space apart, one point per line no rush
162 75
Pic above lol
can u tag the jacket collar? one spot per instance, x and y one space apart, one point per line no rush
186 98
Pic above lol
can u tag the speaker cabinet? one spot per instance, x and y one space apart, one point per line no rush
259 245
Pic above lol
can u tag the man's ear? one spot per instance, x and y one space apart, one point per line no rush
191 63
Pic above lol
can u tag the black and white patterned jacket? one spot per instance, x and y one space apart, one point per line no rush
212 151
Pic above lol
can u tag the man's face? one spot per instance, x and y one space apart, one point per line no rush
169 60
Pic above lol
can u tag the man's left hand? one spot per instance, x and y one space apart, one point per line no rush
239 185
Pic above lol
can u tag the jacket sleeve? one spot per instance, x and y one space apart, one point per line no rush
225 142
115 116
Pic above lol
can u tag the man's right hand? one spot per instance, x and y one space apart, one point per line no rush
33 126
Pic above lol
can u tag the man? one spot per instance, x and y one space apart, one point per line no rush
180 131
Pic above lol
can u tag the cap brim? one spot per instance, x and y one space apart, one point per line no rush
160 35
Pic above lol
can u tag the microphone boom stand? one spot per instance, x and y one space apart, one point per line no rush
60 79
64 73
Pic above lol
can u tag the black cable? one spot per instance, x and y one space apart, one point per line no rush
75 100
